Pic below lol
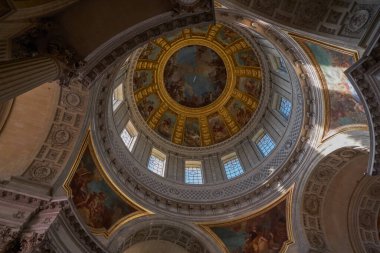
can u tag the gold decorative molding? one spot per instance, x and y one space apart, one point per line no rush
285 196
227 47
327 132
142 93
254 72
141 211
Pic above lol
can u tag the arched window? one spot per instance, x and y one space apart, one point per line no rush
129 135
232 166
285 107
193 172
265 144
117 96
157 161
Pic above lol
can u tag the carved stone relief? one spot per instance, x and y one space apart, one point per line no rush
365 208
145 187
64 132
332 19
315 193
187 236
39 224
363 74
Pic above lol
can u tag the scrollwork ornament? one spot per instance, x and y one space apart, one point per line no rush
42 172
312 204
61 136
324 174
316 240
140 235
169 233
194 246
366 219
358 20
73 99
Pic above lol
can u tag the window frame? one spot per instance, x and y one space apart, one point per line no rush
230 158
194 165
157 154
259 139
132 132
287 117
117 96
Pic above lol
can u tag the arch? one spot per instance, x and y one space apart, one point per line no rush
27 126
186 235
364 214
333 172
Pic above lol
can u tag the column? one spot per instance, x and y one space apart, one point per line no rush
20 76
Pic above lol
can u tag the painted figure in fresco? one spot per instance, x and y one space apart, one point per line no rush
148 50
139 79
97 209
146 107
192 137
195 76
262 234
164 128
256 243
252 87
247 58
79 184
94 200
219 130
345 103
242 114
228 36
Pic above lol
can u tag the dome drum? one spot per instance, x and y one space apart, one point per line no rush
279 83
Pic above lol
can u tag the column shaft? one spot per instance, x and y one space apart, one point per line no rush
20 76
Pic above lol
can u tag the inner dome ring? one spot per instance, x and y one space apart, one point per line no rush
195 76
217 103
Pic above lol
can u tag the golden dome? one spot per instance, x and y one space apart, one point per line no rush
198 86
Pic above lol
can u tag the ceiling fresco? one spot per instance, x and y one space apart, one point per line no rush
195 76
198 86
344 107
96 202
266 231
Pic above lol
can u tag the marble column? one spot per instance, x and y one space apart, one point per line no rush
20 76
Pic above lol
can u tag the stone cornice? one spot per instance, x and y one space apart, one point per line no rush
216 201
365 75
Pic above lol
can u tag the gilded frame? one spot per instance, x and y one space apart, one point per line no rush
287 196
88 143
327 133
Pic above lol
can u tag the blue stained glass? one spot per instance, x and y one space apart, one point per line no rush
193 175
266 145
233 168
285 107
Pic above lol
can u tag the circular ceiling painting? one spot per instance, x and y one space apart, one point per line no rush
198 86
195 76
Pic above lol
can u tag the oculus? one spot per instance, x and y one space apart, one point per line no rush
195 76
198 86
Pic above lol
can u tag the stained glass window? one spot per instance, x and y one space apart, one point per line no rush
193 172
129 135
117 96
265 144
156 162
285 107
232 166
